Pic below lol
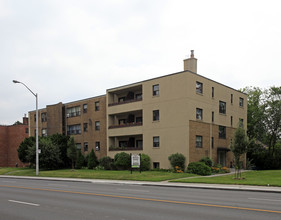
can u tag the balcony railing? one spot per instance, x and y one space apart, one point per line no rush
125 102
125 148
125 125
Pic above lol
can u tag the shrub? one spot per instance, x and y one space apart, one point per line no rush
177 160
208 161
145 162
80 160
92 160
199 168
106 162
122 161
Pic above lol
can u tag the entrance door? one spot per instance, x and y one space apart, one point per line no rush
222 157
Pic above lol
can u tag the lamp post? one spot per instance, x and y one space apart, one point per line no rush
37 152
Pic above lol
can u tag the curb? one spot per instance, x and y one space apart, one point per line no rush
268 189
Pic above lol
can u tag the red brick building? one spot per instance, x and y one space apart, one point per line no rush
10 138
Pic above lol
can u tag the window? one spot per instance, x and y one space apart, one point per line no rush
212 142
74 129
138 119
155 89
199 140
241 121
34 117
213 92
231 99
241 102
26 130
199 113
156 165
222 132
139 144
44 116
156 115
213 117
199 87
78 146
121 99
73 111
85 127
97 125
231 121
222 107
97 146
44 132
139 96
97 106
85 146
85 108
123 144
156 141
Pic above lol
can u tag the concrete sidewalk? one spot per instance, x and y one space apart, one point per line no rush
159 184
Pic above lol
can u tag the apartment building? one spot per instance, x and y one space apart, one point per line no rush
85 120
182 112
11 137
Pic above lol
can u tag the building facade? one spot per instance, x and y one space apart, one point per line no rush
178 113
85 120
11 137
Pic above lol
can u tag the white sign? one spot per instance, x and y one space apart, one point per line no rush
135 161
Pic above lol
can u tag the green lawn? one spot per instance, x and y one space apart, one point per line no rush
259 178
97 174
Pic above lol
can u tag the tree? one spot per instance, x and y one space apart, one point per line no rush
80 160
71 151
23 149
92 160
60 141
239 147
122 161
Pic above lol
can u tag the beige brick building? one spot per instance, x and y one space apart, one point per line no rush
178 113
85 120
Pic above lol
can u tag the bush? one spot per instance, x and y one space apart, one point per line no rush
199 168
106 162
207 160
92 160
80 160
177 160
145 162
122 161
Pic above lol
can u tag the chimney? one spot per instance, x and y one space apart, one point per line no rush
190 63
25 120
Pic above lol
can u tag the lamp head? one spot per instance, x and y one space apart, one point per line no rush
15 81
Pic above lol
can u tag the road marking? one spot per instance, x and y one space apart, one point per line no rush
25 203
271 200
146 199
132 190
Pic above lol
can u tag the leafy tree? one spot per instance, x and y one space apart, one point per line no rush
72 151
92 160
239 147
106 162
208 161
23 148
177 160
60 141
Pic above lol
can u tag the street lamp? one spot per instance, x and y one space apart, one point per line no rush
37 152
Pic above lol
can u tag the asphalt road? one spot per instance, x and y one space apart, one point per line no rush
40 199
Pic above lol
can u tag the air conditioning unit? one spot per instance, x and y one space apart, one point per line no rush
68 115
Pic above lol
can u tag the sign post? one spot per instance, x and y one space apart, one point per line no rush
135 162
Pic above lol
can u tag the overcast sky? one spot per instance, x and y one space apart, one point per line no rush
71 50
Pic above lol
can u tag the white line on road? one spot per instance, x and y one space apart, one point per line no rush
271 200
25 203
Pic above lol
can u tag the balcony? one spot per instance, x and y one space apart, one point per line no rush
125 148
126 143
133 124
125 102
